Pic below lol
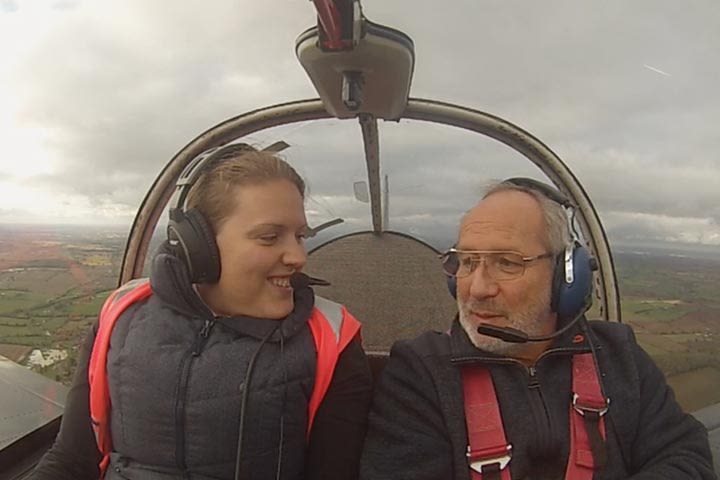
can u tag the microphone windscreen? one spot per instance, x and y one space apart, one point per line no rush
299 280
506 334
318 282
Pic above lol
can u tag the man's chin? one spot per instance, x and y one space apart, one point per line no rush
485 343
489 344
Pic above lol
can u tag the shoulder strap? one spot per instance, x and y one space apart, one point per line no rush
332 328
117 302
488 451
587 423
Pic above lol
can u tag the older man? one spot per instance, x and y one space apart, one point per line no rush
523 387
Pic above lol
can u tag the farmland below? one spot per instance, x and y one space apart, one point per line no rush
673 304
53 281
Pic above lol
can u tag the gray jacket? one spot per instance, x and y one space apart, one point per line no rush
417 423
177 375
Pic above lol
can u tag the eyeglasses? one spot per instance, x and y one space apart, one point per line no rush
499 265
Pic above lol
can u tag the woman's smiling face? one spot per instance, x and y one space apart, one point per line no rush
261 243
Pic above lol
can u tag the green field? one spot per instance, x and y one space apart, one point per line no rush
638 309
672 304
674 307
52 286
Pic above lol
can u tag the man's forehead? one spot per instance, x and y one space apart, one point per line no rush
502 235
514 205
507 215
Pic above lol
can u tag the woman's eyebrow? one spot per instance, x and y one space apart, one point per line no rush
275 227
265 227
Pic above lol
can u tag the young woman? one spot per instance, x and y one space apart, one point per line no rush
216 372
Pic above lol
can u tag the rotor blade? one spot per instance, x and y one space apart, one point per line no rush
276 147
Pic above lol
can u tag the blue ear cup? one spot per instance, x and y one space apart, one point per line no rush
569 299
572 299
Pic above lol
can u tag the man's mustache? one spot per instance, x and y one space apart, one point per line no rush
490 306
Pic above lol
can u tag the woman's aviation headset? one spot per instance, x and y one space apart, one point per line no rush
189 233
572 274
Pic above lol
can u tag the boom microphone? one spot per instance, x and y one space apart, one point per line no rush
513 335
300 280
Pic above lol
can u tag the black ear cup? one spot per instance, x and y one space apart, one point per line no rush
451 265
194 242
452 286
189 233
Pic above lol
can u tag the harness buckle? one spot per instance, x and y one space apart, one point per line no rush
598 407
479 460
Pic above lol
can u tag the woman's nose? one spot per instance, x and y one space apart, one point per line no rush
295 255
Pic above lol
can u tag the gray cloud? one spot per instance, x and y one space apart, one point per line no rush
121 88
65 4
8 6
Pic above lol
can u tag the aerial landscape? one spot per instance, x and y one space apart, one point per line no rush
53 281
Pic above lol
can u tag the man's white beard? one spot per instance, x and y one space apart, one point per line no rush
532 320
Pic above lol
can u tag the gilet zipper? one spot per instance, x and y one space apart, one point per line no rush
181 398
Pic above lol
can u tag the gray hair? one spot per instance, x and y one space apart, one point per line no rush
557 230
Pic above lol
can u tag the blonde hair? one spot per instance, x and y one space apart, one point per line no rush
212 193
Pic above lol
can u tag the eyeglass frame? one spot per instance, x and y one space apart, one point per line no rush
525 260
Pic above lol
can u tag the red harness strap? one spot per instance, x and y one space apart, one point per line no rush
587 425
489 453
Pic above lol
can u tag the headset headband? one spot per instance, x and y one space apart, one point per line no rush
552 193
198 165
189 233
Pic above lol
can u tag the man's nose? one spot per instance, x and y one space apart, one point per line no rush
483 285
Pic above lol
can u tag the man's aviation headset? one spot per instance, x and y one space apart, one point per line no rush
572 274
189 233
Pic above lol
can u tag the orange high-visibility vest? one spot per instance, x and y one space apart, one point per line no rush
331 325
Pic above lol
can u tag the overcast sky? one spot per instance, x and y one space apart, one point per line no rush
95 97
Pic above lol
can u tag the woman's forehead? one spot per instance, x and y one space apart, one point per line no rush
271 203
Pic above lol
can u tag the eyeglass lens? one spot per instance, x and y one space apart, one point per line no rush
499 265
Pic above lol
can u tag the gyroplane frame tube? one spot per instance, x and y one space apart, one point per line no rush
606 286
417 109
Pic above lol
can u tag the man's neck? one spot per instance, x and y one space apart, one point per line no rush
530 355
